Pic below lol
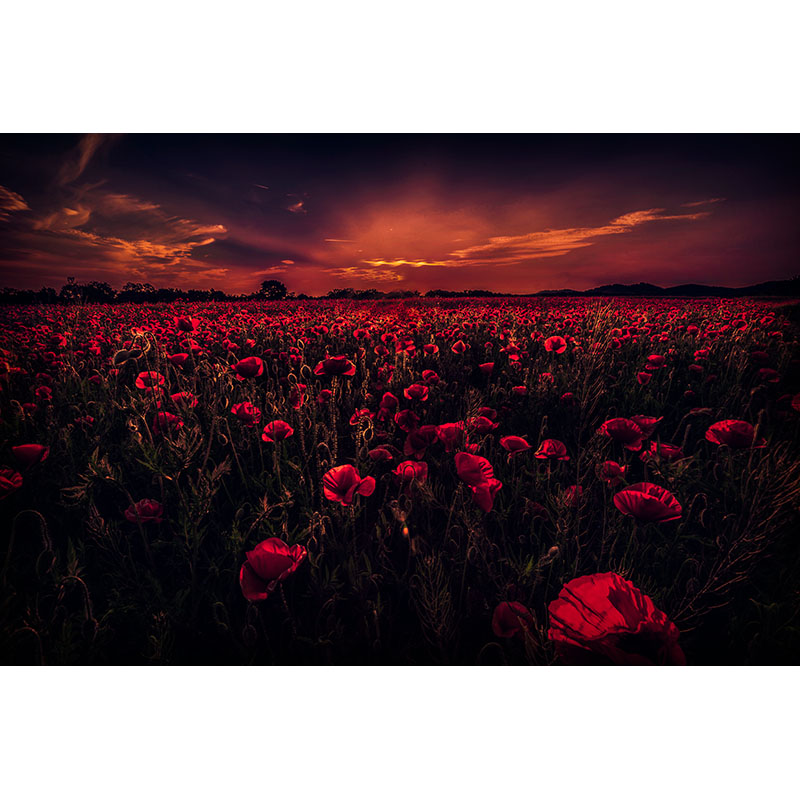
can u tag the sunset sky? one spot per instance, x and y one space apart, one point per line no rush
507 213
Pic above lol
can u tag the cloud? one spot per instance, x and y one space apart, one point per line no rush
503 250
11 202
365 274
276 270
79 159
703 202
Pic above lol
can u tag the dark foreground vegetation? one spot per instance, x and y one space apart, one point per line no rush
424 481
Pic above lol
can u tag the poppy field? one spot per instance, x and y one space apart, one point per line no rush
502 481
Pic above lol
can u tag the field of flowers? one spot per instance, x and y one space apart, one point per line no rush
458 482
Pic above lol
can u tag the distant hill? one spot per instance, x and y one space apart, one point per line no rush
789 288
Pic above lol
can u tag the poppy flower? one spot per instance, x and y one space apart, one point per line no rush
416 392
552 449
459 347
430 377
178 359
250 367
520 391
735 433
10 481
481 425
324 396
28 455
573 496
410 471
341 484
623 431
145 511
269 563
335 365
555 344
473 470
647 502
486 368
406 420
664 451
277 431
430 349
247 413
605 619
514 445
184 399
611 472
644 377
647 424
165 422
419 440
380 454
655 362
149 380
511 619
484 494
451 435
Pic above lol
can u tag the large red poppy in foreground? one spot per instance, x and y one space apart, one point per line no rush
735 433
605 619
267 565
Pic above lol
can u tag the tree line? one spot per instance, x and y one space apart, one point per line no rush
101 292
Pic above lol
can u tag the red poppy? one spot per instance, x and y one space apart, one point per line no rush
644 378
612 472
410 471
28 455
473 470
486 368
379 454
416 392
481 425
149 380
269 563
624 431
484 494
184 399
459 347
520 391
250 367
145 511
655 362
735 433
647 502
511 619
552 449
10 481
419 440
406 420
514 445
165 422
555 344
247 413
573 496
663 451
605 619
335 365
430 377
430 349
277 431
647 424
451 434
341 484
324 396
478 474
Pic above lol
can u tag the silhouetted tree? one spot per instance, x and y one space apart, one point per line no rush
272 290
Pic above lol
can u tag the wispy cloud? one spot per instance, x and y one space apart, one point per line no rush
505 250
695 203
11 202
79 159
